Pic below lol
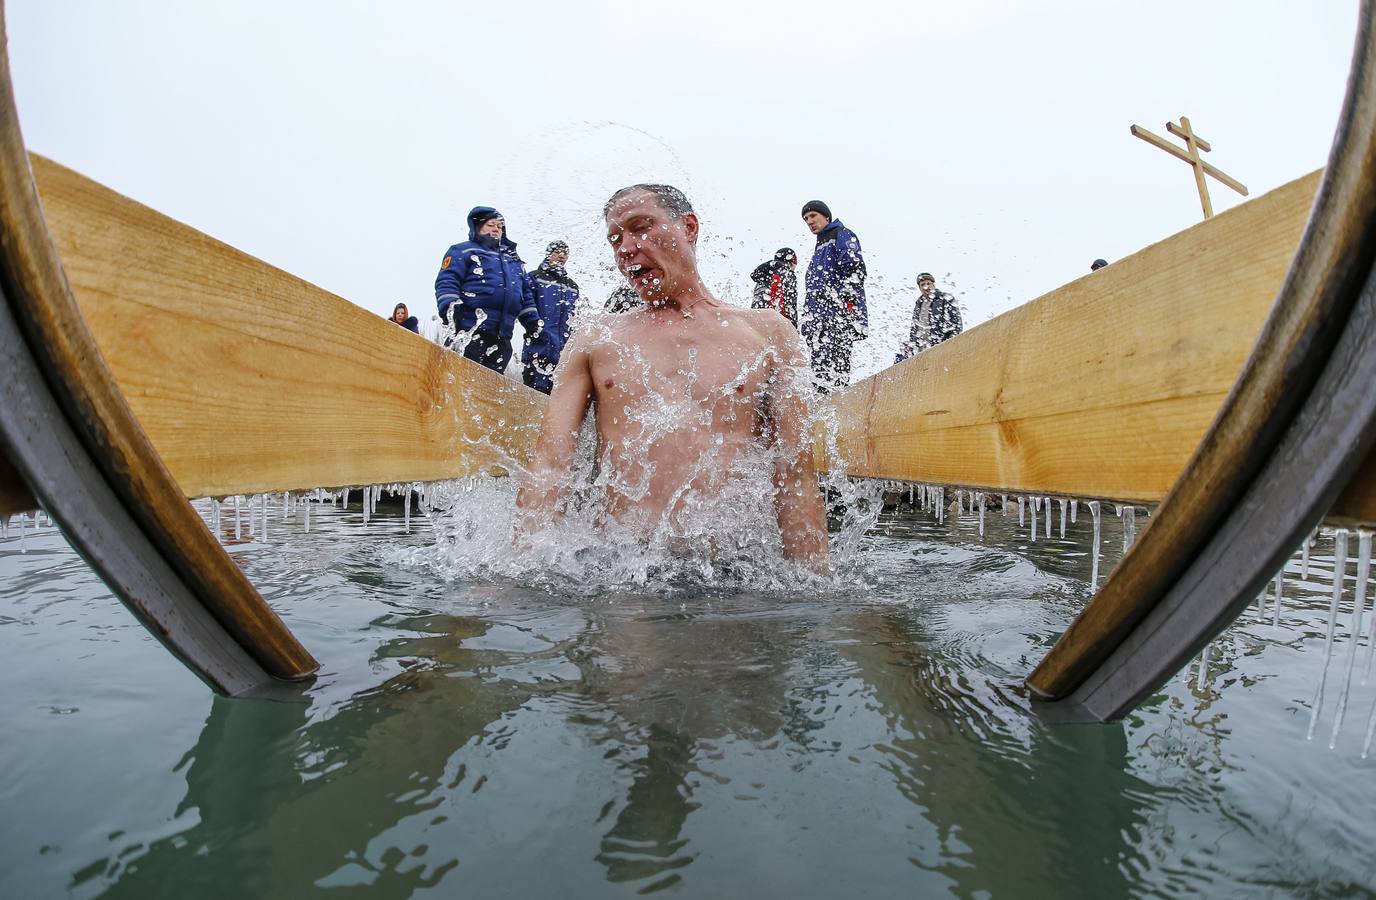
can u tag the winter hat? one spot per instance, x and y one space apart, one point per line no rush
482 218
1097 265
555 247
817 206
786 254
926 276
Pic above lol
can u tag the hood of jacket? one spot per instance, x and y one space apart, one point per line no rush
505 243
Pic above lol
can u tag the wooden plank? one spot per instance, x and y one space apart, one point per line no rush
1100 388
248 379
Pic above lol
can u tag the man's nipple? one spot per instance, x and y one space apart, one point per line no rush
608 384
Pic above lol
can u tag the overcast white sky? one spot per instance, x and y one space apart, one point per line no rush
985 141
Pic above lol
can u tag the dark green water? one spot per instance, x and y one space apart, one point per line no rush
481 739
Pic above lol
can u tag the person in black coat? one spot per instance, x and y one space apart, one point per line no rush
776 285
936 318
402 316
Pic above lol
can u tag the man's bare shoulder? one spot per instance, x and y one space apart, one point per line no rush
773 327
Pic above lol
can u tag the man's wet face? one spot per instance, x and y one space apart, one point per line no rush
559 257
652 249
925 286
815 221
492 228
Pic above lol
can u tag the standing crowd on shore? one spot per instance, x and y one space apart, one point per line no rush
483 292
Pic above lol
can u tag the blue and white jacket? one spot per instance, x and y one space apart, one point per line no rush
483 286
836 281
556 295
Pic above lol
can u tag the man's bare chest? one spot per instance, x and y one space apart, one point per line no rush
674 368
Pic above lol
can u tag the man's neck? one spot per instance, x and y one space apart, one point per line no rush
683 299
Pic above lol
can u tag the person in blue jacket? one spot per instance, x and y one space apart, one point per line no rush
482 292
556 295
835 300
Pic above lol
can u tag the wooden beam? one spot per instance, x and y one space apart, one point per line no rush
1188 135
248 379
1101 388
1173 150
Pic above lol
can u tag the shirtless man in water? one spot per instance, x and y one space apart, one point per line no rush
685 390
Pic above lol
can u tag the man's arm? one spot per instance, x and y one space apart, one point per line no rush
797 500
546 479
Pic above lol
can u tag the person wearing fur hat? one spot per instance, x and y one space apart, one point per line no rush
836 316
482 291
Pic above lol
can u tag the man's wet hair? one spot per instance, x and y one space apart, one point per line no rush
675 203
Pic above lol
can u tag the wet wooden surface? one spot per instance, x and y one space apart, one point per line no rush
248 379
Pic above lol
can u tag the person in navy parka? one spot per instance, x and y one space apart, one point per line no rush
482 292
835 302
556 295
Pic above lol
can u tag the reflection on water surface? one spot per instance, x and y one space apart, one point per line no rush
480 737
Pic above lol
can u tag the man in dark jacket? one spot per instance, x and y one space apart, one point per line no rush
482 292
835 301
936 318
556 295
776 285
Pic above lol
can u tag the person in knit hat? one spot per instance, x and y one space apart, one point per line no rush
776 285
936 318
835 314
556 295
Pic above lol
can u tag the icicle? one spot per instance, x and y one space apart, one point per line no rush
367 495
1339 574
1062 504
1363 575
215 517
238 519
1003 505
941 504
1033 505
1046 508
23 545
981 515
1202 675
306 512
1280 589
1129 514
1020 508
1304 555
1074 508
264 511
1370 730
406 507
1094 548
286 506
344 503
1358 608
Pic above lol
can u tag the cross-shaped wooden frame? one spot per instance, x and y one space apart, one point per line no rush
1193 145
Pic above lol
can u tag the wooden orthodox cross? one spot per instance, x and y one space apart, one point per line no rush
1193 144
